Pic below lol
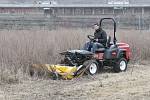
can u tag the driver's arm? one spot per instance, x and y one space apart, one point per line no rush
103 38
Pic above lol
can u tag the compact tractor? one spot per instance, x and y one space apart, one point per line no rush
77 62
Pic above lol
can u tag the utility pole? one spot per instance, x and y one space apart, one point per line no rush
139 24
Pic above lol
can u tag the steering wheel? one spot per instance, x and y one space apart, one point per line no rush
91 37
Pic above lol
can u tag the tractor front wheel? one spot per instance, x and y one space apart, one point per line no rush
120 65
91 66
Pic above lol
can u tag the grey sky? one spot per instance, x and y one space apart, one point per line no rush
76 1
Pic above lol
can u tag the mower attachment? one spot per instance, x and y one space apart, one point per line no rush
60 71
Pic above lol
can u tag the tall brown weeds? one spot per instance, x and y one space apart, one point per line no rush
20 49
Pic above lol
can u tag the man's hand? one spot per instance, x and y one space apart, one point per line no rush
96 40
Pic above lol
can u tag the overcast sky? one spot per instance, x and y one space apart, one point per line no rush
75 1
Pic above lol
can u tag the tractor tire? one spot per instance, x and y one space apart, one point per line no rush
120 65
91 66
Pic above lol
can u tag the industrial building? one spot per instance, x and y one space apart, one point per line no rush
136 10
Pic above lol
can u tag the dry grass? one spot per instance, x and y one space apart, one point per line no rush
139 43
20 49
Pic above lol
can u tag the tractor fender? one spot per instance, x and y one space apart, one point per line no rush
121 52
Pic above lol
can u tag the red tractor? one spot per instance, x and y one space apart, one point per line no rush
115 54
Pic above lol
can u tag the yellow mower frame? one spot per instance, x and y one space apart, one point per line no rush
61 71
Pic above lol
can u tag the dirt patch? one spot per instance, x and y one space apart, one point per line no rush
131 85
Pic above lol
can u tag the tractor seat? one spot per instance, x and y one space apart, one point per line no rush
100 50
108 43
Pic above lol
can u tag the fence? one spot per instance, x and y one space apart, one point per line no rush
29 22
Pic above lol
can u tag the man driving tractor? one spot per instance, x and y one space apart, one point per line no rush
99 40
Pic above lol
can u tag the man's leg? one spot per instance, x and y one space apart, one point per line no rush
88 46
96 46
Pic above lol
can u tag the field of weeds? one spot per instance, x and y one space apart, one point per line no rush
21 48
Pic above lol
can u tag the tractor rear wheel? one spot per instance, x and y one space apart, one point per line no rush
120 65
91 66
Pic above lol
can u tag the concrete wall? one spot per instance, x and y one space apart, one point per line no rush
80 11
101 11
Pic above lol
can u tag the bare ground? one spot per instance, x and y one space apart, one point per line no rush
131 85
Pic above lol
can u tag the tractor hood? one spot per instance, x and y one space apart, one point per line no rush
82 52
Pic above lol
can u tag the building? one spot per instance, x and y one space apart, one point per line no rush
137 11
81 7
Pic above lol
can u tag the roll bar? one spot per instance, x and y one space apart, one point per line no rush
101 21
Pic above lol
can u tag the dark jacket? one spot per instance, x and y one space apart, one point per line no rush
101 36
